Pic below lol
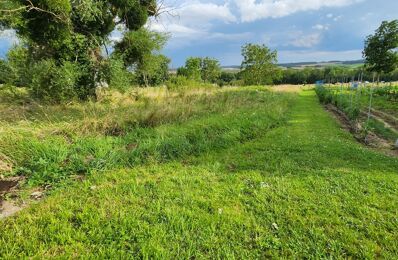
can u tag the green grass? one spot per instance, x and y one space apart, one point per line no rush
348 100
298 187
380 129
50 144
355 104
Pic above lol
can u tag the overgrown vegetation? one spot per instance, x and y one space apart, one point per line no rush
288 186
187 169
61 55
48 144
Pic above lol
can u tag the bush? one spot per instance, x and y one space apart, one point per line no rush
343 102
226 78
54 83
154 71
116 75
20 66
180 82
7 75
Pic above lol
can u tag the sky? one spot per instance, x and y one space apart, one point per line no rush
300 30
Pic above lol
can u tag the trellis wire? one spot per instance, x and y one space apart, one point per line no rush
371 99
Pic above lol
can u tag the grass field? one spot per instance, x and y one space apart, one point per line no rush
238 173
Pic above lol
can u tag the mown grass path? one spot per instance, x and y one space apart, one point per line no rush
305 189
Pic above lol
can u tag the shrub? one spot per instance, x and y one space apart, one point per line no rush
116 75
54 83
180 82
7 75
20 66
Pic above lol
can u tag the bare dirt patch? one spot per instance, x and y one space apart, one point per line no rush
389 120
370 139
345 122
6 164
8 209
8 186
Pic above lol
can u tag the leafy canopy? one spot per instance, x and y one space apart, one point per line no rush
380 50
259 65
211 70
201 69
56 33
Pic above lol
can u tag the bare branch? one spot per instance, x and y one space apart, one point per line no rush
30 7
161 8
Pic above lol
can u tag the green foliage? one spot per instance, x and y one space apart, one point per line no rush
64 31
135 133
210 70
380 129
303 189
199 69
116 75
140 52
348 103
259 65
391 92
55 83
381 48
153 71
178 82
229 79
332 74
192 69
304 76
137 45
20 64
6 73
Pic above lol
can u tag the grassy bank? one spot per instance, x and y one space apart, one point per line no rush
299 189
48 144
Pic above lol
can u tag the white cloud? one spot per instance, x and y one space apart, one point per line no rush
321 27
202 13
306 41
252 10
194 21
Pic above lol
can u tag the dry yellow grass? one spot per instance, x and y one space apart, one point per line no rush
290 88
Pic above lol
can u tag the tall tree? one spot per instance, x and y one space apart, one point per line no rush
74 30
210 70
192 69
259 65
154 71
380 51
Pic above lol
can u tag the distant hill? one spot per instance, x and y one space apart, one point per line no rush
298 65
301 65
322 64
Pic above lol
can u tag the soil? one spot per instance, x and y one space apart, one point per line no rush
7 209
390 121
7 186
371 140
345 122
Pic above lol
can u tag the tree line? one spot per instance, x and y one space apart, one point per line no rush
259 65
63 52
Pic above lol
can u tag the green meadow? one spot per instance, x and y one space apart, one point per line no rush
243 172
